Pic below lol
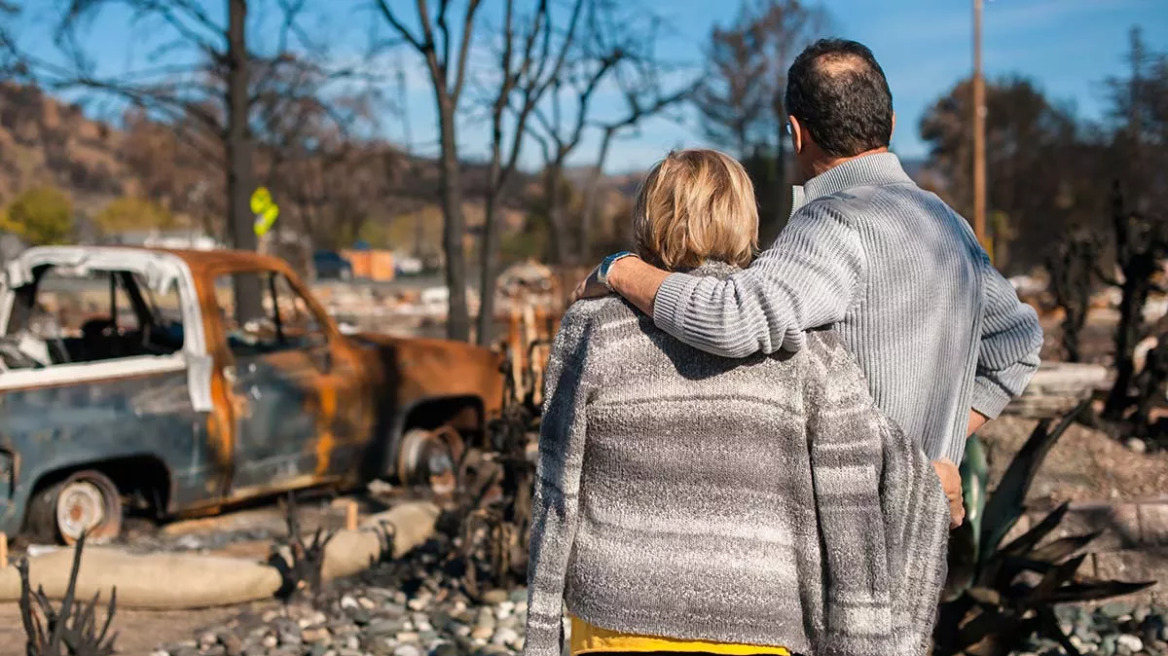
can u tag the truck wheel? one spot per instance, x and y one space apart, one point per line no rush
428 459
85 501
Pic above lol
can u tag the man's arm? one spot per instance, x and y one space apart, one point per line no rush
806 280
1011 339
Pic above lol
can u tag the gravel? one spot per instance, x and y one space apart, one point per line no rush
410 607
1113 629
414 607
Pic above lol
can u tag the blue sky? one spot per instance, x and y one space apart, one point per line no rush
1068 47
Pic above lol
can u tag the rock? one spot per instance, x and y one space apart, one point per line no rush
486 619
255 650
445 649
315 635
232 645
318 650
1115 609
1130 642
206 640
360 616
420 602
289 639
519 595
270 641
352 642
159 652
505 637
393 610
482 633
366 603
408 636
496 597
270 616
385 627
407 650
349 603
1137 445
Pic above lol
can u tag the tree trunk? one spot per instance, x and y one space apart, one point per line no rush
450 188
783 204
239 172
592 200
557 222
488 271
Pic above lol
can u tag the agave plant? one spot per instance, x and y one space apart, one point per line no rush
998 595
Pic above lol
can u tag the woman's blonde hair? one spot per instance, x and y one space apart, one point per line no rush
696 205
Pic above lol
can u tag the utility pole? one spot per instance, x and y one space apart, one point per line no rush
979 113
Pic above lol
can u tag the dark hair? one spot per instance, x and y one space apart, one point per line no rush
840 95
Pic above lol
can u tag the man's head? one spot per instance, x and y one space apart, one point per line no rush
839 104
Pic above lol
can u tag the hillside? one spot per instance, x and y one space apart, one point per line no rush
373 192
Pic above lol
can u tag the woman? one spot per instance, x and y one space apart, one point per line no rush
690 503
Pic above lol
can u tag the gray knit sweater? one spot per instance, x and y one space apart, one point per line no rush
934 326
759 501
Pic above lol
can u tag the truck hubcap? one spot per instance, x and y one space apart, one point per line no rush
80 508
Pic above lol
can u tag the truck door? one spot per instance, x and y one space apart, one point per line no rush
281 351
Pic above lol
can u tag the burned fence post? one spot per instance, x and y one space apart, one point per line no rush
302 566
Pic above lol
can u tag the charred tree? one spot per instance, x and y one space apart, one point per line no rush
1140 245
1072 268
447 72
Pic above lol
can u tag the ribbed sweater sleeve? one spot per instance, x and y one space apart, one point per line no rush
1010 342
569 387
807 279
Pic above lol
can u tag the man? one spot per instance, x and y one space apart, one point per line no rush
942 337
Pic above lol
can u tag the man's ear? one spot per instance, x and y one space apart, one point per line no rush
796 134
893 131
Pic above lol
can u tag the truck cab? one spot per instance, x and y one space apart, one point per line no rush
177 383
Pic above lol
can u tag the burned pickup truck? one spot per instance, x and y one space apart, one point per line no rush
132 379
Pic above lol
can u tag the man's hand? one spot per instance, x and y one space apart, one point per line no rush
590 287
951 484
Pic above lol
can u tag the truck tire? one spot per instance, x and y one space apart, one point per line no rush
84 501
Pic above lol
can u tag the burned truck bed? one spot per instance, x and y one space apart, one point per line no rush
178 383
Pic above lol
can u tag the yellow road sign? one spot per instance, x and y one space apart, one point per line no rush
265 210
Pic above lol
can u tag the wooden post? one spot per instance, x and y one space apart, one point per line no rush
3 550
979 115
351 515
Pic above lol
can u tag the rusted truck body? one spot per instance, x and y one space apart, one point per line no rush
151 388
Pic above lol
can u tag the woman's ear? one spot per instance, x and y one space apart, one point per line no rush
796 134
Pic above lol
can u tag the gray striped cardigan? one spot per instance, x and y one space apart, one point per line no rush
760 501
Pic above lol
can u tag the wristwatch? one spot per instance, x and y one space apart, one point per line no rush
606 266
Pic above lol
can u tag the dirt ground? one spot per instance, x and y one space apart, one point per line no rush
139 632
1085 465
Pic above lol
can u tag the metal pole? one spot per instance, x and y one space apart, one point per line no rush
979 113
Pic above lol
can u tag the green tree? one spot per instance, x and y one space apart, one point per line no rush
133 213
41 215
